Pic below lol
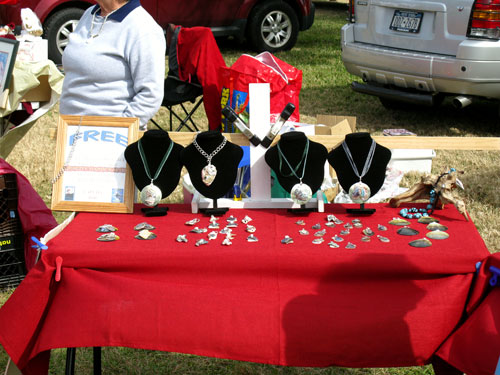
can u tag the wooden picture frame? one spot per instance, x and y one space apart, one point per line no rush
8 53
91 173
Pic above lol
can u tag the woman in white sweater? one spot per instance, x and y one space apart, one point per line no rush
114 63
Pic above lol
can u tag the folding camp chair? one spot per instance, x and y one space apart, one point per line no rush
194 61
178 92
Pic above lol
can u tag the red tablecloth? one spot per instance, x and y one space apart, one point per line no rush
381 304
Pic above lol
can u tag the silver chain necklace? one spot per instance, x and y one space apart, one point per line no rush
300 193
360 192
209 172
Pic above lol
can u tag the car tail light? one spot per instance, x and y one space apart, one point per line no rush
351 18
485 19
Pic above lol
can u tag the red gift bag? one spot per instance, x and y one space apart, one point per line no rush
284 79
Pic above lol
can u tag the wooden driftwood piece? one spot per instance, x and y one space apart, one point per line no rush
445 186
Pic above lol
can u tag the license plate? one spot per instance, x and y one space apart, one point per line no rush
406 21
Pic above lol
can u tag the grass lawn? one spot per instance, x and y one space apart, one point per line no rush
326 90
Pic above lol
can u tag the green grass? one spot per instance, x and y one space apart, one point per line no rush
325 90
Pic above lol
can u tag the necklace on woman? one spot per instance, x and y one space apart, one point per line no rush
209 172
301 193
151 194
91 32
360 192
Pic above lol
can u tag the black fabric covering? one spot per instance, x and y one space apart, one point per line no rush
359 145
155 144
292 145
226 161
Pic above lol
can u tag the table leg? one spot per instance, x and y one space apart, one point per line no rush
70 361
97 360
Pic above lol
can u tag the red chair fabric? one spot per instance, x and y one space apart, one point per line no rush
198 55
35 217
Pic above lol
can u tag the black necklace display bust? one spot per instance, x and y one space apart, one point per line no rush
226 162
155 144
359 145
292 145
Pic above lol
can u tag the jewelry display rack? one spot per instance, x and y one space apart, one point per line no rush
260 173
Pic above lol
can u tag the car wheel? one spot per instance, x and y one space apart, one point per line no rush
57 29
273 26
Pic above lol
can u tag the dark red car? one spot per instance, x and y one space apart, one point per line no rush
269 25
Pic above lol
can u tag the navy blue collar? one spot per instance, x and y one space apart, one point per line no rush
121 13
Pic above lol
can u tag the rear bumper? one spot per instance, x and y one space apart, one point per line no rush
425 72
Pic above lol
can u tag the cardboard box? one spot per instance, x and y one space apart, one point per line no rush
41 93
406 160
337 124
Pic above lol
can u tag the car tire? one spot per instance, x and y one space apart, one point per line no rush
273 26
57 29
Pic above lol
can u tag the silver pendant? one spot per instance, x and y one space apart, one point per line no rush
151 195
301 193
208 174
359 192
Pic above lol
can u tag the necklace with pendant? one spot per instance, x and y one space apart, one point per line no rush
209 172
151 194
301 193
360 192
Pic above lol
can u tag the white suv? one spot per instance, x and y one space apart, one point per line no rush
418 51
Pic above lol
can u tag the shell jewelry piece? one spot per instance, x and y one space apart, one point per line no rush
250 228
399 222
358 225
106 228
350 245
151 194
318 241
145 235
214 225
300 222
330 217
348 226
316 226
422 242
181 238
212 235
144 225
209 172
300 193
366 238
381 227
246 219
345 232
320 233
201 241
368 232
407 231
231 219
303 232
337 238
232 225
227 241
334 219
287 240
360 192
330 224
199 230
382 238
427 220
333 245
226 230
437 235
436 226
192 221
252 238
107 237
